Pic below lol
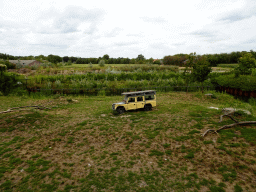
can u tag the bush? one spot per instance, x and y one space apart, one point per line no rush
2 68
8 83
8 64
102 63
246 64
158 62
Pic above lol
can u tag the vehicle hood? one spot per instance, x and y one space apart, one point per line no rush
120 103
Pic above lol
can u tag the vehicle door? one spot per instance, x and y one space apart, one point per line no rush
131 103
151 99
140 102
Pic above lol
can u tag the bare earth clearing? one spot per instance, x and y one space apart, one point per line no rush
80 145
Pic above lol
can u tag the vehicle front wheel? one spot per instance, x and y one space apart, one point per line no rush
120 110
147 108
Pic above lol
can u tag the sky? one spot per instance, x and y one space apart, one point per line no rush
86 28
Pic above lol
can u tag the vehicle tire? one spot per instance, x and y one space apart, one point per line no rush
147 108
120 110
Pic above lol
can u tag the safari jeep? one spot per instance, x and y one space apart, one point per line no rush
136 100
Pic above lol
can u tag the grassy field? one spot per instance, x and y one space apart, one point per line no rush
106 65
80 145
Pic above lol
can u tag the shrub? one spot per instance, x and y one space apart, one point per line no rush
102 63
3 68
8 64
158 62
246 64
8 82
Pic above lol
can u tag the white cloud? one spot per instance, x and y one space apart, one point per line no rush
126 29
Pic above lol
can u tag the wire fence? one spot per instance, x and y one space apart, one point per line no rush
116 91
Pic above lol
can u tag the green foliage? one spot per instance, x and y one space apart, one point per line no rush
140 57
54 59
3 68
156 153
243 82
177 60
158 62
106 57
8 82
102 63
246 64
201 69
190 155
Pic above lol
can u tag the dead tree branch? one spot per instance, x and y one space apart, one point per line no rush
229 126
228 115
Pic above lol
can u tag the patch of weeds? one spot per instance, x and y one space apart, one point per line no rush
249 134
31 140
69 187
198 126
69 164
70 140
182 138
6 186
216 189
56 139
80 144
223 185
4 150
156 153
235 145
15 161
190 155
83 123
238 188
239 166
222 147
63 133
166 145
208 142
168 152
227 173
193 132
151 134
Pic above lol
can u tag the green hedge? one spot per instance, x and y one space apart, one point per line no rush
243 82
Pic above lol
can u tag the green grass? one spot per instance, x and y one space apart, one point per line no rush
74 146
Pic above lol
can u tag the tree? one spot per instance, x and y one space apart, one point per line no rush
201 69
54 59
140 57
102 63
188 68
106 57
65 59
246 64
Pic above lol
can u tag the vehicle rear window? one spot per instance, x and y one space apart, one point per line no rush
149 97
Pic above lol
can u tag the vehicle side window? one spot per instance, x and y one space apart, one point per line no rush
139 99
149 97
131 99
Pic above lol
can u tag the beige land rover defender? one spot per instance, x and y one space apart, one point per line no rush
136 100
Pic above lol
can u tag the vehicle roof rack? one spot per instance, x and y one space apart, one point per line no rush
139 93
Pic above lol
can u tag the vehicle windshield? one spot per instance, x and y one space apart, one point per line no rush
125 98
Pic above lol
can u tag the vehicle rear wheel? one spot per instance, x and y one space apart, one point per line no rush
147 108
120 110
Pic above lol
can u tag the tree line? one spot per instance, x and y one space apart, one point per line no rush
177 59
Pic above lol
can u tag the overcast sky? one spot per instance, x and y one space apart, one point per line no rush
154 28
